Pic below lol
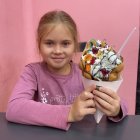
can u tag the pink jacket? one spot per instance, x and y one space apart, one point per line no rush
42 98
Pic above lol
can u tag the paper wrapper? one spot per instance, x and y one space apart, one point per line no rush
114 85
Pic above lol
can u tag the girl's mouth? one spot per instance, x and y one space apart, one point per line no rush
58 59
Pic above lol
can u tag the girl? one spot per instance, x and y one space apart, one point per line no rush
51 92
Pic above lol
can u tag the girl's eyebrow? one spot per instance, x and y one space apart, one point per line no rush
48 40
69 40
65 40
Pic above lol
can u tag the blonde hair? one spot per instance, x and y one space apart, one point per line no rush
54 17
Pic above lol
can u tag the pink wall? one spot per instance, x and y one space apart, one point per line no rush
110 20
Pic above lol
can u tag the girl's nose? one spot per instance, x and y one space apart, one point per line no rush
58 48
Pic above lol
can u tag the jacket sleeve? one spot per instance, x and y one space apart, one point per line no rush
122 115
22 108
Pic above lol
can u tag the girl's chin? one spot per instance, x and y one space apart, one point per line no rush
57 65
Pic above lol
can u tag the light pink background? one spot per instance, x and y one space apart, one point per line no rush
110 20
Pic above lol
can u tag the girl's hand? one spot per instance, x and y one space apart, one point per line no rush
107 101
83 105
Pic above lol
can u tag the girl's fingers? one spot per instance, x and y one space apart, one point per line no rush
90 103
104 97
103 103
91 88
109 110
88 111
109 92
86 95
104 110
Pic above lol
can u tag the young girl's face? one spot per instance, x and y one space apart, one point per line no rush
57 48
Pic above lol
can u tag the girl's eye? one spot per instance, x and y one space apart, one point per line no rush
49 43
66 44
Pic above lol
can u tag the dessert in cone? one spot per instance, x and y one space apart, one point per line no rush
101 65
100 62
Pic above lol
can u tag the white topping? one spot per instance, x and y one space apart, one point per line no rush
99 42
95 70
97 61
107 46
106 51
118 61
100 74
92 67
112 58
110 53
102 49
